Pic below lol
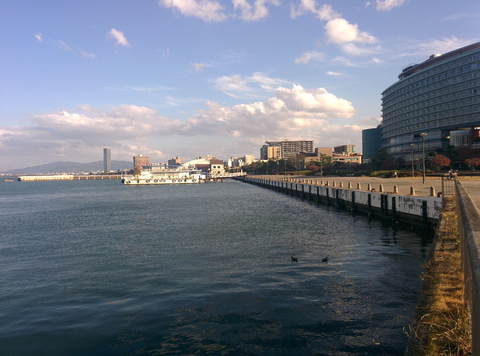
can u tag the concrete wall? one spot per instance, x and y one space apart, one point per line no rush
469 223
426 208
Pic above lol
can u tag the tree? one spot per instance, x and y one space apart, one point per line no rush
473 162
440 161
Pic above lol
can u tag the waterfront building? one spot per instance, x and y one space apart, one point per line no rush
217 168
371 141
249 159
275 150
344 149
353 158
323 151
433 103
107 160
271 152
141 161
175 162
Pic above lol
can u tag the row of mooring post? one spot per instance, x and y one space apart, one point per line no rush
336 184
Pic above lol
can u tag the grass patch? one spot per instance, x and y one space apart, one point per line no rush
442 323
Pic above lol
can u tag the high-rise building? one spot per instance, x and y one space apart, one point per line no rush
371 141
249 159
107 160
271 152
285 149
140 161
431 101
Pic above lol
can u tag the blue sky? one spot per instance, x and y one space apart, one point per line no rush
191 77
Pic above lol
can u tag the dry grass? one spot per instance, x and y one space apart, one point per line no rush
442 325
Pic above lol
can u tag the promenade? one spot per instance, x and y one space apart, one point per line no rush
403 184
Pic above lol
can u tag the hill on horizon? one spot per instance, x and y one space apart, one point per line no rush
69 167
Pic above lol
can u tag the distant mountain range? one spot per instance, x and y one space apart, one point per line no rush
69 167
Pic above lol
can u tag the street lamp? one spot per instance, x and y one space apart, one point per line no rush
412 146
423 135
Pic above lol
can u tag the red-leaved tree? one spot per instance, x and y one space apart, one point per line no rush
440 161
473 162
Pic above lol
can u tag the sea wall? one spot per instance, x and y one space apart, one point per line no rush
469 224
385 205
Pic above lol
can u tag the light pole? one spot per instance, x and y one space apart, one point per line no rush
423 135
412 146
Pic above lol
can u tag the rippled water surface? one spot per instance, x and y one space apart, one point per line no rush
97 268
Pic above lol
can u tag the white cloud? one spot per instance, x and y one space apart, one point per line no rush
442 45
344 62
387 5
252 86
434 46
81 133
258 11
376 60
337 29
341 31
334 74
309 56
356 50
86 54
206 10
119 37
325 12
38 37
65 46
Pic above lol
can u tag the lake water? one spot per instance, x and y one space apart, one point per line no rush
97 268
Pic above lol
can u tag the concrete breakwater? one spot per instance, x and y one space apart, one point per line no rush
406 208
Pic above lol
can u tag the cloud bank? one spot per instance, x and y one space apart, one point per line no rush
79 134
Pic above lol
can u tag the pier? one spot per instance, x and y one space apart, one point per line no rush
371 199
60 177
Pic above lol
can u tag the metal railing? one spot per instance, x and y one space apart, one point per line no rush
448 186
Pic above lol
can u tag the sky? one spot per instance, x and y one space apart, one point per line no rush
193 77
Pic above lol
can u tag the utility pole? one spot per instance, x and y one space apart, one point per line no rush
423 135
413 168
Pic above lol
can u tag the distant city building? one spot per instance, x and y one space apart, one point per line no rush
323 151
217 168
107 160
249 159
435 98
271 152
371 142
344 149
354 158
275 150
141 161
175 162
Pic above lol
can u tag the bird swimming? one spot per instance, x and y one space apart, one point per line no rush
325 259
294 259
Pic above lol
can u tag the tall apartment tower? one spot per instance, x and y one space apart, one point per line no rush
285 149
107 160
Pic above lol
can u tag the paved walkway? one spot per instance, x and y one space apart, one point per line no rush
403 184
472 188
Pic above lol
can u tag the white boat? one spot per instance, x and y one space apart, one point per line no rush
180 176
